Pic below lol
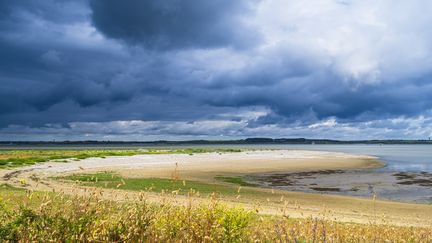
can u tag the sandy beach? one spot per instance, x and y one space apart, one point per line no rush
204 164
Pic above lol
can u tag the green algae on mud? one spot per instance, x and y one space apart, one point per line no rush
238 180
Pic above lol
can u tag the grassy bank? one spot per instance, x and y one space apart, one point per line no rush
181 187
17 158
27 217
232 188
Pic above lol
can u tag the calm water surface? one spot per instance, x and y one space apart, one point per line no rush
405 158
411 158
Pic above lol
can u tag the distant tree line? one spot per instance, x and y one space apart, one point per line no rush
220 142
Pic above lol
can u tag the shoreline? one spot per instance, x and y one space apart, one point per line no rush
259 161
202 167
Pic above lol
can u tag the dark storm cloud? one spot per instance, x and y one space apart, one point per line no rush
63 11
42 66
175 23
201 68
48 77
312 98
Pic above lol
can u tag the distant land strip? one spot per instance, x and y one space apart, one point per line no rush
219 142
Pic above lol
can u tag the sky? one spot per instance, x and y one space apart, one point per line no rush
220 69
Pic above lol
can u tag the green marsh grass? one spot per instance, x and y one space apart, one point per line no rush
181 187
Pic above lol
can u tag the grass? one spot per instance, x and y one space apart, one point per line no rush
9 188
238 180
40 217
17 158
181 187
236 191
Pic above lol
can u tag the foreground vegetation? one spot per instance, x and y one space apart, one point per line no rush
16 158
41 217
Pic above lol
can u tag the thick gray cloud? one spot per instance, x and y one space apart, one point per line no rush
198 68
175 23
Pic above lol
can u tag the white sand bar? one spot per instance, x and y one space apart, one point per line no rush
262 161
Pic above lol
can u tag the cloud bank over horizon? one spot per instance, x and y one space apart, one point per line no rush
186 69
